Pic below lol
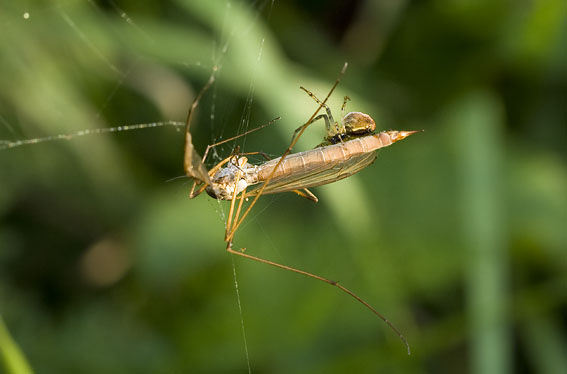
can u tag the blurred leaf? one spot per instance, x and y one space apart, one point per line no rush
13 361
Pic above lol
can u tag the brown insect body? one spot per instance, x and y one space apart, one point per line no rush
316 167
326 164
349 147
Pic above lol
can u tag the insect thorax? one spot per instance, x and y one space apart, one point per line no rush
232 177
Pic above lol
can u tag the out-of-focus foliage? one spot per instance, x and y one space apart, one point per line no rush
456 234
11 357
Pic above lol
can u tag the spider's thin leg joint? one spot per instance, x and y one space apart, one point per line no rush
325 117
338 127
346 98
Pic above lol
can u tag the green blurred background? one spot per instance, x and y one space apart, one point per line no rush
456 234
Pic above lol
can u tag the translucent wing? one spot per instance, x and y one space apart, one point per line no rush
324 165
324 173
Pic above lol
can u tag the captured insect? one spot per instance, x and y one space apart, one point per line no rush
349 146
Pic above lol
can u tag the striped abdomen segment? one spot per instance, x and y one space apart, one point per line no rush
325 164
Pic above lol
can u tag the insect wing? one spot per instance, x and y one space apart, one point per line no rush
193 163
324 174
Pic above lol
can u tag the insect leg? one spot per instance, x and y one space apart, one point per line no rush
263 154
322 279
239 209
230 228
305 193
192 193
211 146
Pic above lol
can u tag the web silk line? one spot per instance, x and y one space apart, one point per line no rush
88 42
241 316
5 144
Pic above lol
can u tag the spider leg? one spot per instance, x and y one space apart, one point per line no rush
333 128
327 125
344 106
